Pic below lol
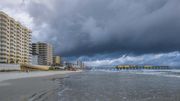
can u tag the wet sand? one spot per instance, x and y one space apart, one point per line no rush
31 88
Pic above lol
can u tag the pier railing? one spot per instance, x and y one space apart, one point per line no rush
142 67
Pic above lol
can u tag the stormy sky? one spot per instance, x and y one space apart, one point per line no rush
104 31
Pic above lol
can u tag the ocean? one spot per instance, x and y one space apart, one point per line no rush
126 85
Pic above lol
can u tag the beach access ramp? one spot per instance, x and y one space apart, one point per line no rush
25 67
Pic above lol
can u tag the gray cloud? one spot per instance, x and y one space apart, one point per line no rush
87 27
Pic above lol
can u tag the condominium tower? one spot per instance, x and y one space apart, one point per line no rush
44 52
15 40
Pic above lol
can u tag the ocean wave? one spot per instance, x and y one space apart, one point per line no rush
165 72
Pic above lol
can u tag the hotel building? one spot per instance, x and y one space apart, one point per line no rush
56 60
44 53
15 40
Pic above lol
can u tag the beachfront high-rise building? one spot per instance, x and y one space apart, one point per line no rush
56 60
44 52
15 40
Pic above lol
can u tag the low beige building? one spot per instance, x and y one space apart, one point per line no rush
56 60
15 40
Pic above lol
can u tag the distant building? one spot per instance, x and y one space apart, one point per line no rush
44 52
56 60
15 40
80 64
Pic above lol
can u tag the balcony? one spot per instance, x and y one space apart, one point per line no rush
4 27
4 31
4 23
4 38
3 58
4 19
3 53
3 35
2 43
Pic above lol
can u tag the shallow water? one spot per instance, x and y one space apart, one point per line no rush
121 86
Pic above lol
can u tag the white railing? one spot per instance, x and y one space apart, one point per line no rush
9 67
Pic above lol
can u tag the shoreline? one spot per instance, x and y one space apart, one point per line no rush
19 75
32 86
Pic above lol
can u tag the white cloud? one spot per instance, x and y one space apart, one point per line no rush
170 59
17 10
10 2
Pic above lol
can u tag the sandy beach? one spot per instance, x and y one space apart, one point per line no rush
33 86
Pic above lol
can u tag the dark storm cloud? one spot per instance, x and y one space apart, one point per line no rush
87 27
